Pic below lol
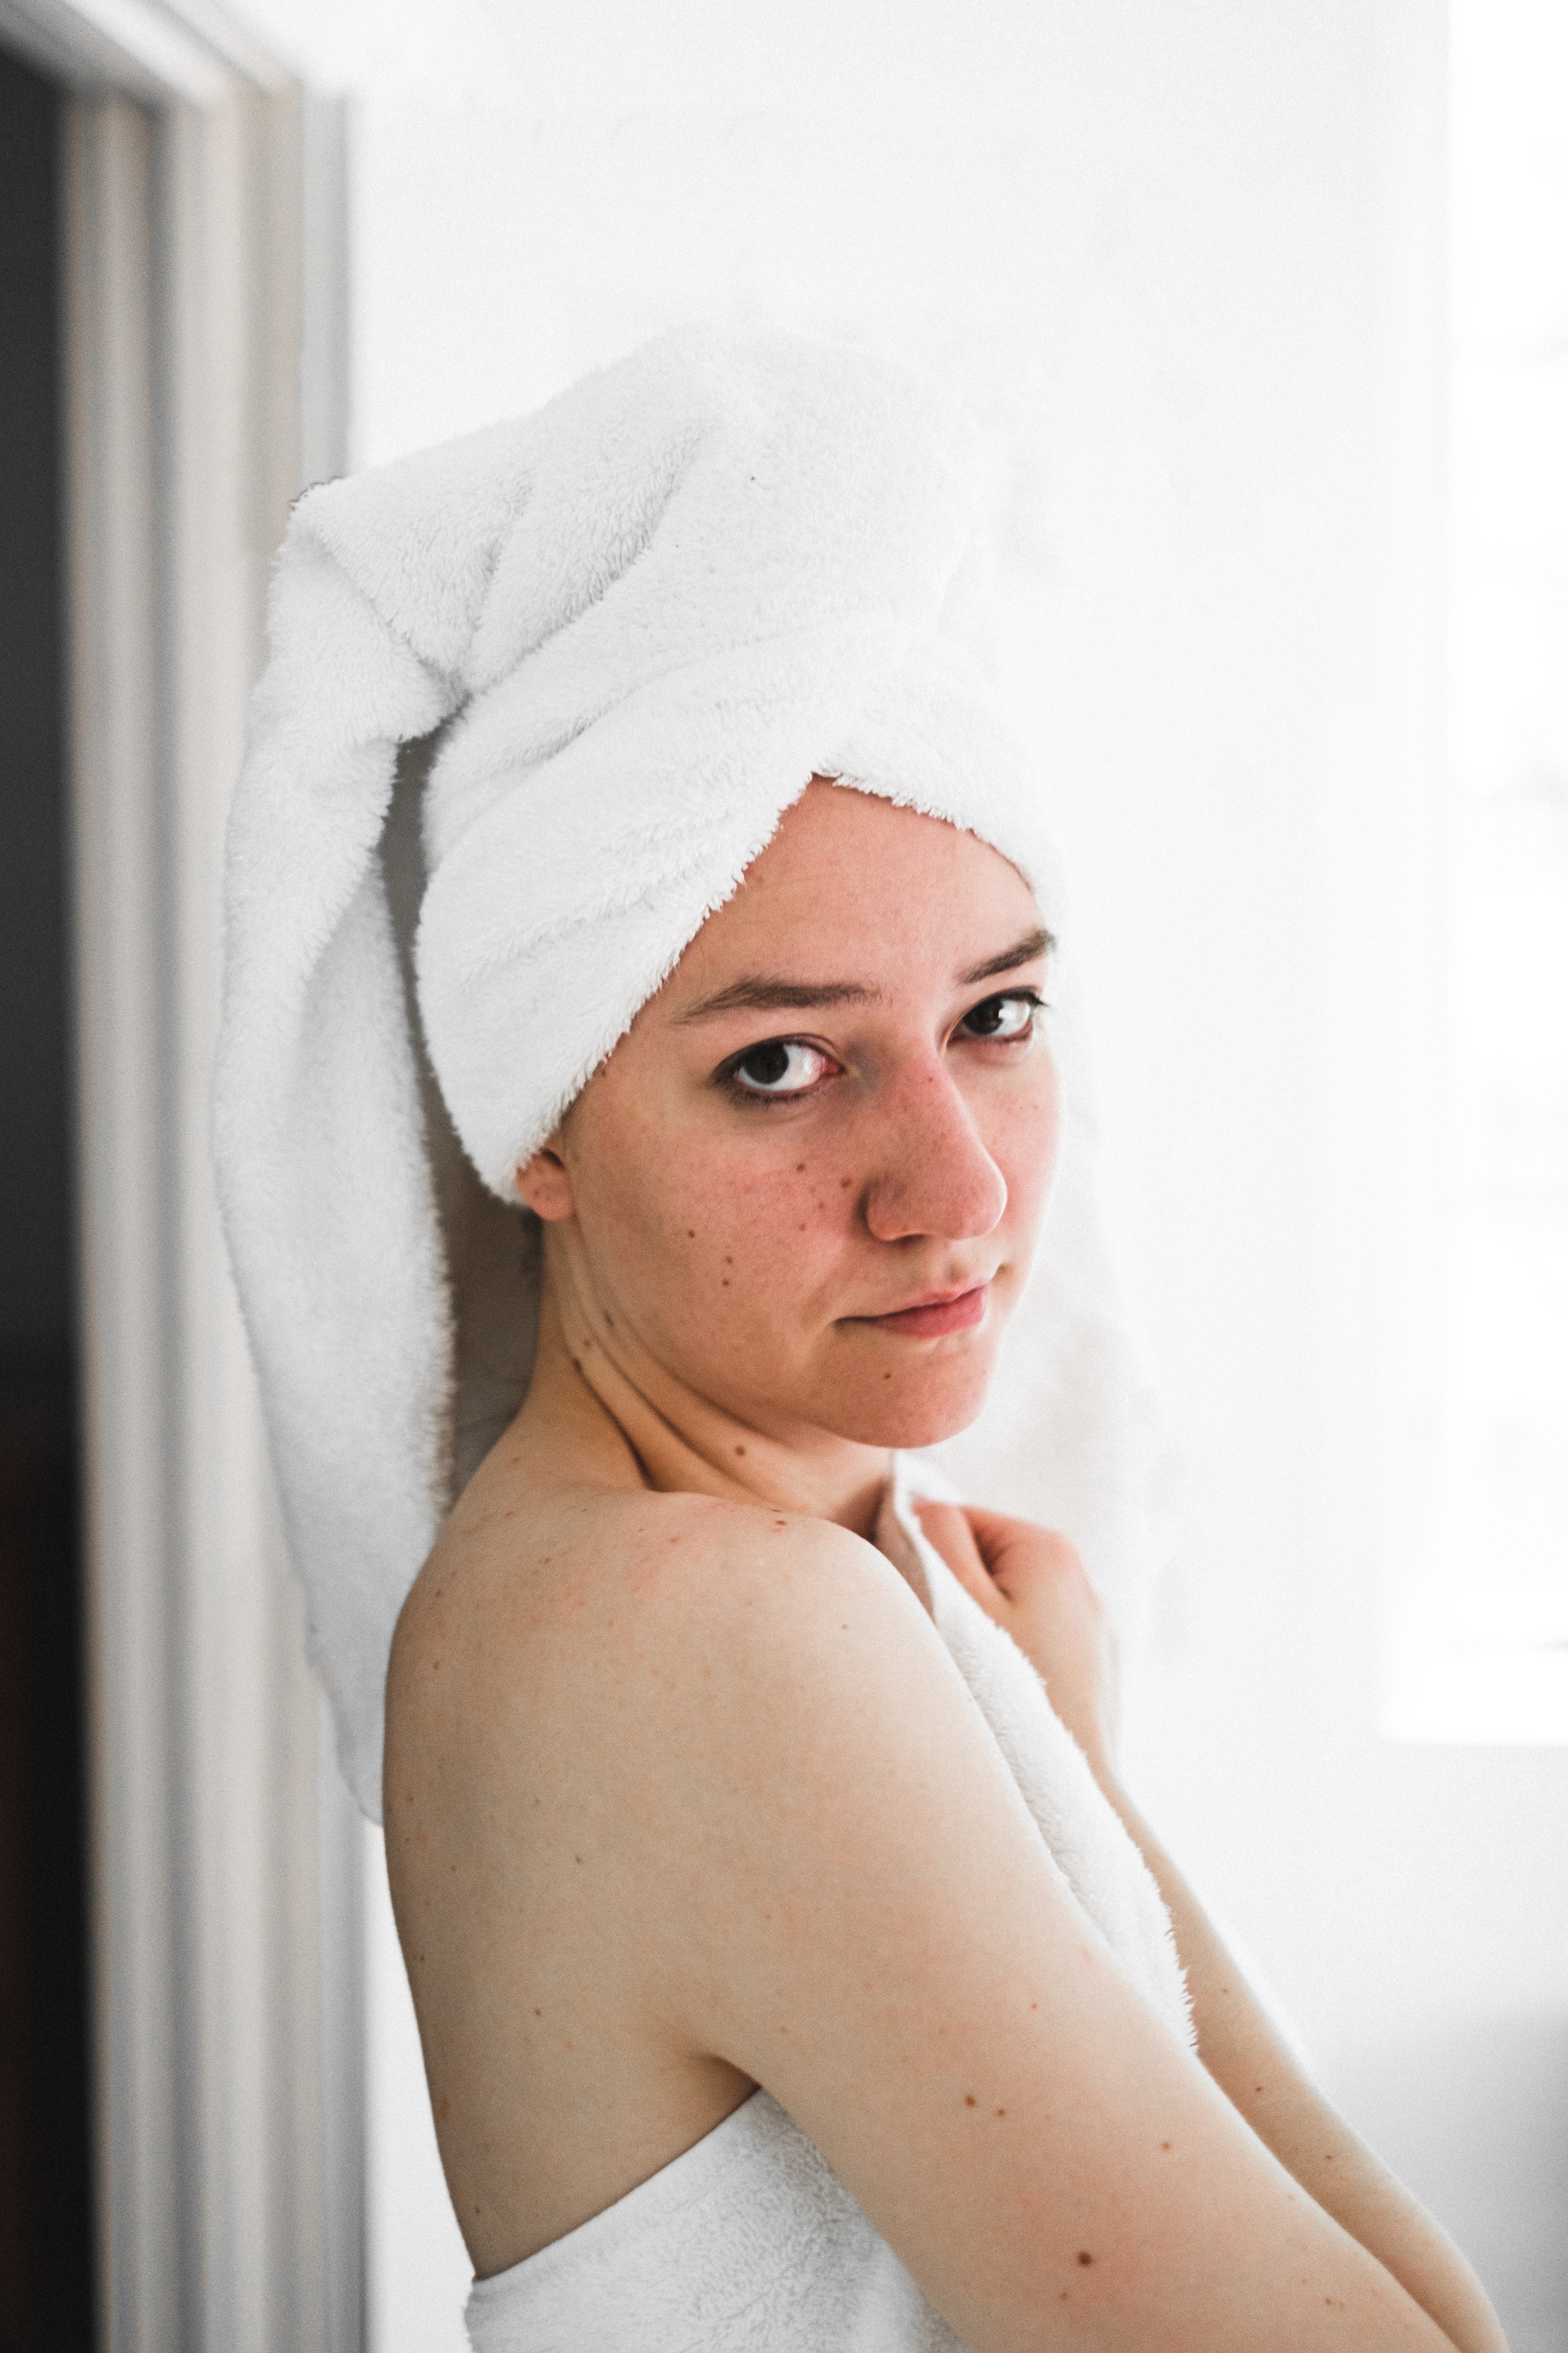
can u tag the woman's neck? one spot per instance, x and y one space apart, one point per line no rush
681 1442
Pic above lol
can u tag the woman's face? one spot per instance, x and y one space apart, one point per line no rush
808 1180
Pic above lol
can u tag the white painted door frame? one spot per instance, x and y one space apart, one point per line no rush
205 323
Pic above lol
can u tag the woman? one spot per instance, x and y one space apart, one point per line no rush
786 1975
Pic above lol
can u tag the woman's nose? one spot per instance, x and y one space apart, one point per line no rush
934 1174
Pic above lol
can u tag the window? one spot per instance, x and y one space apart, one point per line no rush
1493 1634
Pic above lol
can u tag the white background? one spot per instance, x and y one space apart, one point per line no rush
1189 249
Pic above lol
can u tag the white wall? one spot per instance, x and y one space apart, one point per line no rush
1187 246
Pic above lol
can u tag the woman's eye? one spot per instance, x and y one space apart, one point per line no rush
1003 1017
784 1066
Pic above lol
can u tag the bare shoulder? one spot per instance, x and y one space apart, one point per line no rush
634 1606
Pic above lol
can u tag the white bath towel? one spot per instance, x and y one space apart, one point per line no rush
643 618
1083 1836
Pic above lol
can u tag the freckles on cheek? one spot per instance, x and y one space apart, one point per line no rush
732 1226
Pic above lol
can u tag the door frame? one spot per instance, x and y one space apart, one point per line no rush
205 319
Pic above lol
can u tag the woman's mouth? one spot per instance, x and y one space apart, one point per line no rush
932 1318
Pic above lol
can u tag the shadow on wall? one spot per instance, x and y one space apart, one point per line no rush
1475 2120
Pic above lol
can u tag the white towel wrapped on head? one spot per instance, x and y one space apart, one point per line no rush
644 617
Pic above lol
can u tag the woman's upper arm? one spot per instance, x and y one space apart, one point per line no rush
859 1914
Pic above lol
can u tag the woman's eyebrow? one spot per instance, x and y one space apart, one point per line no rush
1033 944
760 993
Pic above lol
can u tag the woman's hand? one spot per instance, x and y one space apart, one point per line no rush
1031 1581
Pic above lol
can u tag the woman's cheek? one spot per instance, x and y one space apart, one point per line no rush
1026 1146
745 1241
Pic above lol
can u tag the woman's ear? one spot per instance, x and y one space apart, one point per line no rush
544 1185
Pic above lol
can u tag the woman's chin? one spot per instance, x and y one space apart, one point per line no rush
915 1404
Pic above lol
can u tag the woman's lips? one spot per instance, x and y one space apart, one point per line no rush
930 1319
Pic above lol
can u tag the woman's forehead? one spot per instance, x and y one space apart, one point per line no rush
853 891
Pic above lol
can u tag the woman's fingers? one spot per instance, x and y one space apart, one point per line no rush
1032 1581
948 1530
1017 1551
987 1550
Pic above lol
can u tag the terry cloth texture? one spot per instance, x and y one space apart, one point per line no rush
750 2240
635 624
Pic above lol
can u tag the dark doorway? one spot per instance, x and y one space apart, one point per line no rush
47 2240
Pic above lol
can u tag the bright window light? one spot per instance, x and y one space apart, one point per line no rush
1494 1612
